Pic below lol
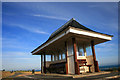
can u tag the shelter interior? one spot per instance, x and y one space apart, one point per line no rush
59 59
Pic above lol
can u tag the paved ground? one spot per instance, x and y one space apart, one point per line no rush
16 74
90 76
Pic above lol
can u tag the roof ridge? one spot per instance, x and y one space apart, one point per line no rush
62 26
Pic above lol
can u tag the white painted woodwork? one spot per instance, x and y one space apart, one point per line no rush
80 57
89 33
71 63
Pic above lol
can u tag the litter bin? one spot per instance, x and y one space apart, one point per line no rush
33 71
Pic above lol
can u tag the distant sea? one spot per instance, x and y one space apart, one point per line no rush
102 68
37 70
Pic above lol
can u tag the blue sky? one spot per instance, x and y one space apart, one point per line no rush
27 25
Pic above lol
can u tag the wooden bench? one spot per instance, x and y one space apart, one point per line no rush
83 62
87 66
57 67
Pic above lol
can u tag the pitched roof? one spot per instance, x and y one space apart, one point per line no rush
73 23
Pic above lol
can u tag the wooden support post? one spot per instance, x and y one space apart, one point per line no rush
94 57
93 50
44 63
66 65
84 47
61 56
41 63
51 57
58 56
54 57
77 70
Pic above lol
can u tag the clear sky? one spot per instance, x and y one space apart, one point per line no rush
27 25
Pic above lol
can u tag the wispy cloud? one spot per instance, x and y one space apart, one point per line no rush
107 45
107 53
13 43
51 17
24 58
15 53
105 6
0 38
106 48
30 29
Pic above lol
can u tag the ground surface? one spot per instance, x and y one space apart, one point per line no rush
39 76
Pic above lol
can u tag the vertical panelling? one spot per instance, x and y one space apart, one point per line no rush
71 65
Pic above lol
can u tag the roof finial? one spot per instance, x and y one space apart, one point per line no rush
73 18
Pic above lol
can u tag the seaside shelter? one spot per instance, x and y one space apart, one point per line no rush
72 49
